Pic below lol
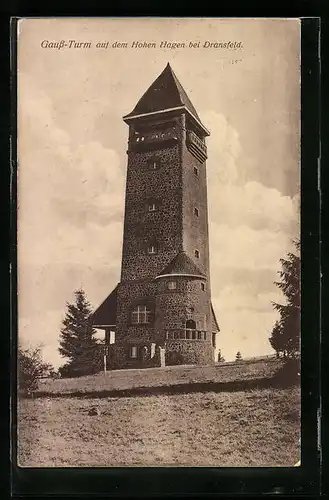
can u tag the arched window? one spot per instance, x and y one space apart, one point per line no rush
190 324
141 314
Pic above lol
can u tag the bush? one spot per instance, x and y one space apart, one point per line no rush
174 358
30 368
289 373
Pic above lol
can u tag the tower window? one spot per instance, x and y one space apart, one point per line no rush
203 287
152 207
141 314
196 171
196 254
196 212
151 249
154 163
172 285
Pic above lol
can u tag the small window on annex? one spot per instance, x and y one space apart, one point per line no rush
172 285
133 352
196 254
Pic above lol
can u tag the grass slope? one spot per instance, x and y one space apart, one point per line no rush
240 429
120 380
252 427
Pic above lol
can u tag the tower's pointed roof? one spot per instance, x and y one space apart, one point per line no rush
165 92
182 264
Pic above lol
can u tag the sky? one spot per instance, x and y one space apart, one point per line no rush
72 161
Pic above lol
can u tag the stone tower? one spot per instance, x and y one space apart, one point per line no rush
161 310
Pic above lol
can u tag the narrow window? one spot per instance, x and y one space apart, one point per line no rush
199 335
203 287
172 285
197 254
154 163
152 249
196 171
152 207
133 352
190 310
196 212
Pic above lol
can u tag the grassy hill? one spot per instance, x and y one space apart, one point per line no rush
117 381
226 415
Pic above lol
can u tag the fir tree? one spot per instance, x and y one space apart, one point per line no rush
77 341
276 339
285 336
238 356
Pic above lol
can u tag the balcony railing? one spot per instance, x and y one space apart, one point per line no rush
196 146
186 334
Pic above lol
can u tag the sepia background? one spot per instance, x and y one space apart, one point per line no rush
72 162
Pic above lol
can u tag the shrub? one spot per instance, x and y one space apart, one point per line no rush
30 368
174 358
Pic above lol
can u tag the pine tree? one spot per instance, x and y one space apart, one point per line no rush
285 336
276 340
77 341
238 356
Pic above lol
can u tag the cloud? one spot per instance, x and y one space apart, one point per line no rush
244 247
246 297
245 331
224 148
69 196
252 204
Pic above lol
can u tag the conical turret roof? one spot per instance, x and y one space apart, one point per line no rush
165 92
182 264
